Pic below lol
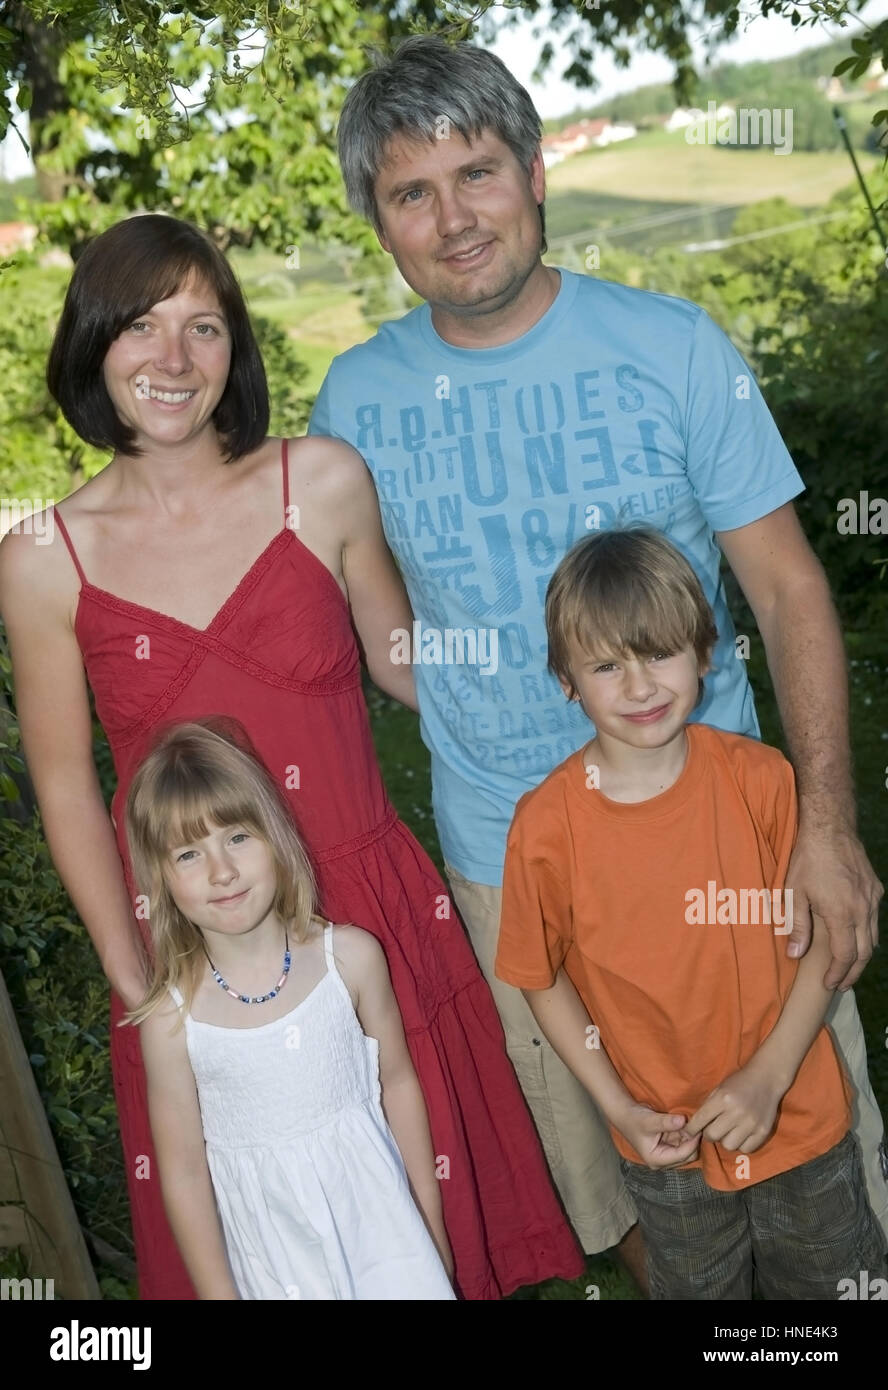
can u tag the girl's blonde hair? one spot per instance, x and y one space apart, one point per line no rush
626 590
198 775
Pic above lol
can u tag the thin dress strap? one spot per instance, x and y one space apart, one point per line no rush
328 949
57 518
177 995
285 465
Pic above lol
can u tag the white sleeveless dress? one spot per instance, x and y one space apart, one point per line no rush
310 1185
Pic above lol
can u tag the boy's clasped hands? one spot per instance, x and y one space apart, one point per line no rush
739 1113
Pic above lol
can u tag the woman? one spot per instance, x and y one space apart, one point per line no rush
157 591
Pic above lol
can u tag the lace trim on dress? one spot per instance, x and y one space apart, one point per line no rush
359 842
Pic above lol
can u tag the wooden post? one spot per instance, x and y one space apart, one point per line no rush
36 1210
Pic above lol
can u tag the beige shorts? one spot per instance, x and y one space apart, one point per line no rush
583 1161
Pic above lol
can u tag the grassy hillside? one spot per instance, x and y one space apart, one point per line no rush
665 168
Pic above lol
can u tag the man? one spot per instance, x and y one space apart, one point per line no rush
519 407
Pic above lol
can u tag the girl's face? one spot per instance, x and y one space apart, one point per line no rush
225 883
167 371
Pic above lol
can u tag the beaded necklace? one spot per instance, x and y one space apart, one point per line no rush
253 998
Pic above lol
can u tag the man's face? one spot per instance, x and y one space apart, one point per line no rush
461 219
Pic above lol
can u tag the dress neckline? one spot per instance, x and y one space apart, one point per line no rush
220 613
232 602
258 1027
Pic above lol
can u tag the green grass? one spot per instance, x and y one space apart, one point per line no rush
665 168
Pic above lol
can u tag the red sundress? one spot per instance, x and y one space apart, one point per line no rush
280 656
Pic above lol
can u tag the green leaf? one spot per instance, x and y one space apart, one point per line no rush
24 98
8 789
66 1118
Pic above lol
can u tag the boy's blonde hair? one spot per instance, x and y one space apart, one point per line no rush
197 776
626 590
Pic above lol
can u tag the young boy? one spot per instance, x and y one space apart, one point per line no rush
643 890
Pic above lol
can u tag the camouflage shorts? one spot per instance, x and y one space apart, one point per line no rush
793 1236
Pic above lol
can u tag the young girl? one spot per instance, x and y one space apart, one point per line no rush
282 1174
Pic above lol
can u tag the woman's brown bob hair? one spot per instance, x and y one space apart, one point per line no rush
121 275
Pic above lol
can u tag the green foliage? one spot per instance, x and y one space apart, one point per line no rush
60 998
809 308
61 1003
821 366
286 373
40 456
12 763
813 126
225 115
189 110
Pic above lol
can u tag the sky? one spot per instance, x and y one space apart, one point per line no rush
758 39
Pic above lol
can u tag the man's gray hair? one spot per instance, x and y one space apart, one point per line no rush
425 86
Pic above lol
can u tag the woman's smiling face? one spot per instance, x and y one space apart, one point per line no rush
167 370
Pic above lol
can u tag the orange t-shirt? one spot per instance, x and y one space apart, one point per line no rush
683 979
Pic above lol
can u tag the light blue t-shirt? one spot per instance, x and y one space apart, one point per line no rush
491 463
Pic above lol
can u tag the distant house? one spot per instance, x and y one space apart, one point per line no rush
551 155
569 141
581 135
876 79
620 130
16 236
682 116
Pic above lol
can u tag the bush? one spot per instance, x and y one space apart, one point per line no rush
809 309
60 998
